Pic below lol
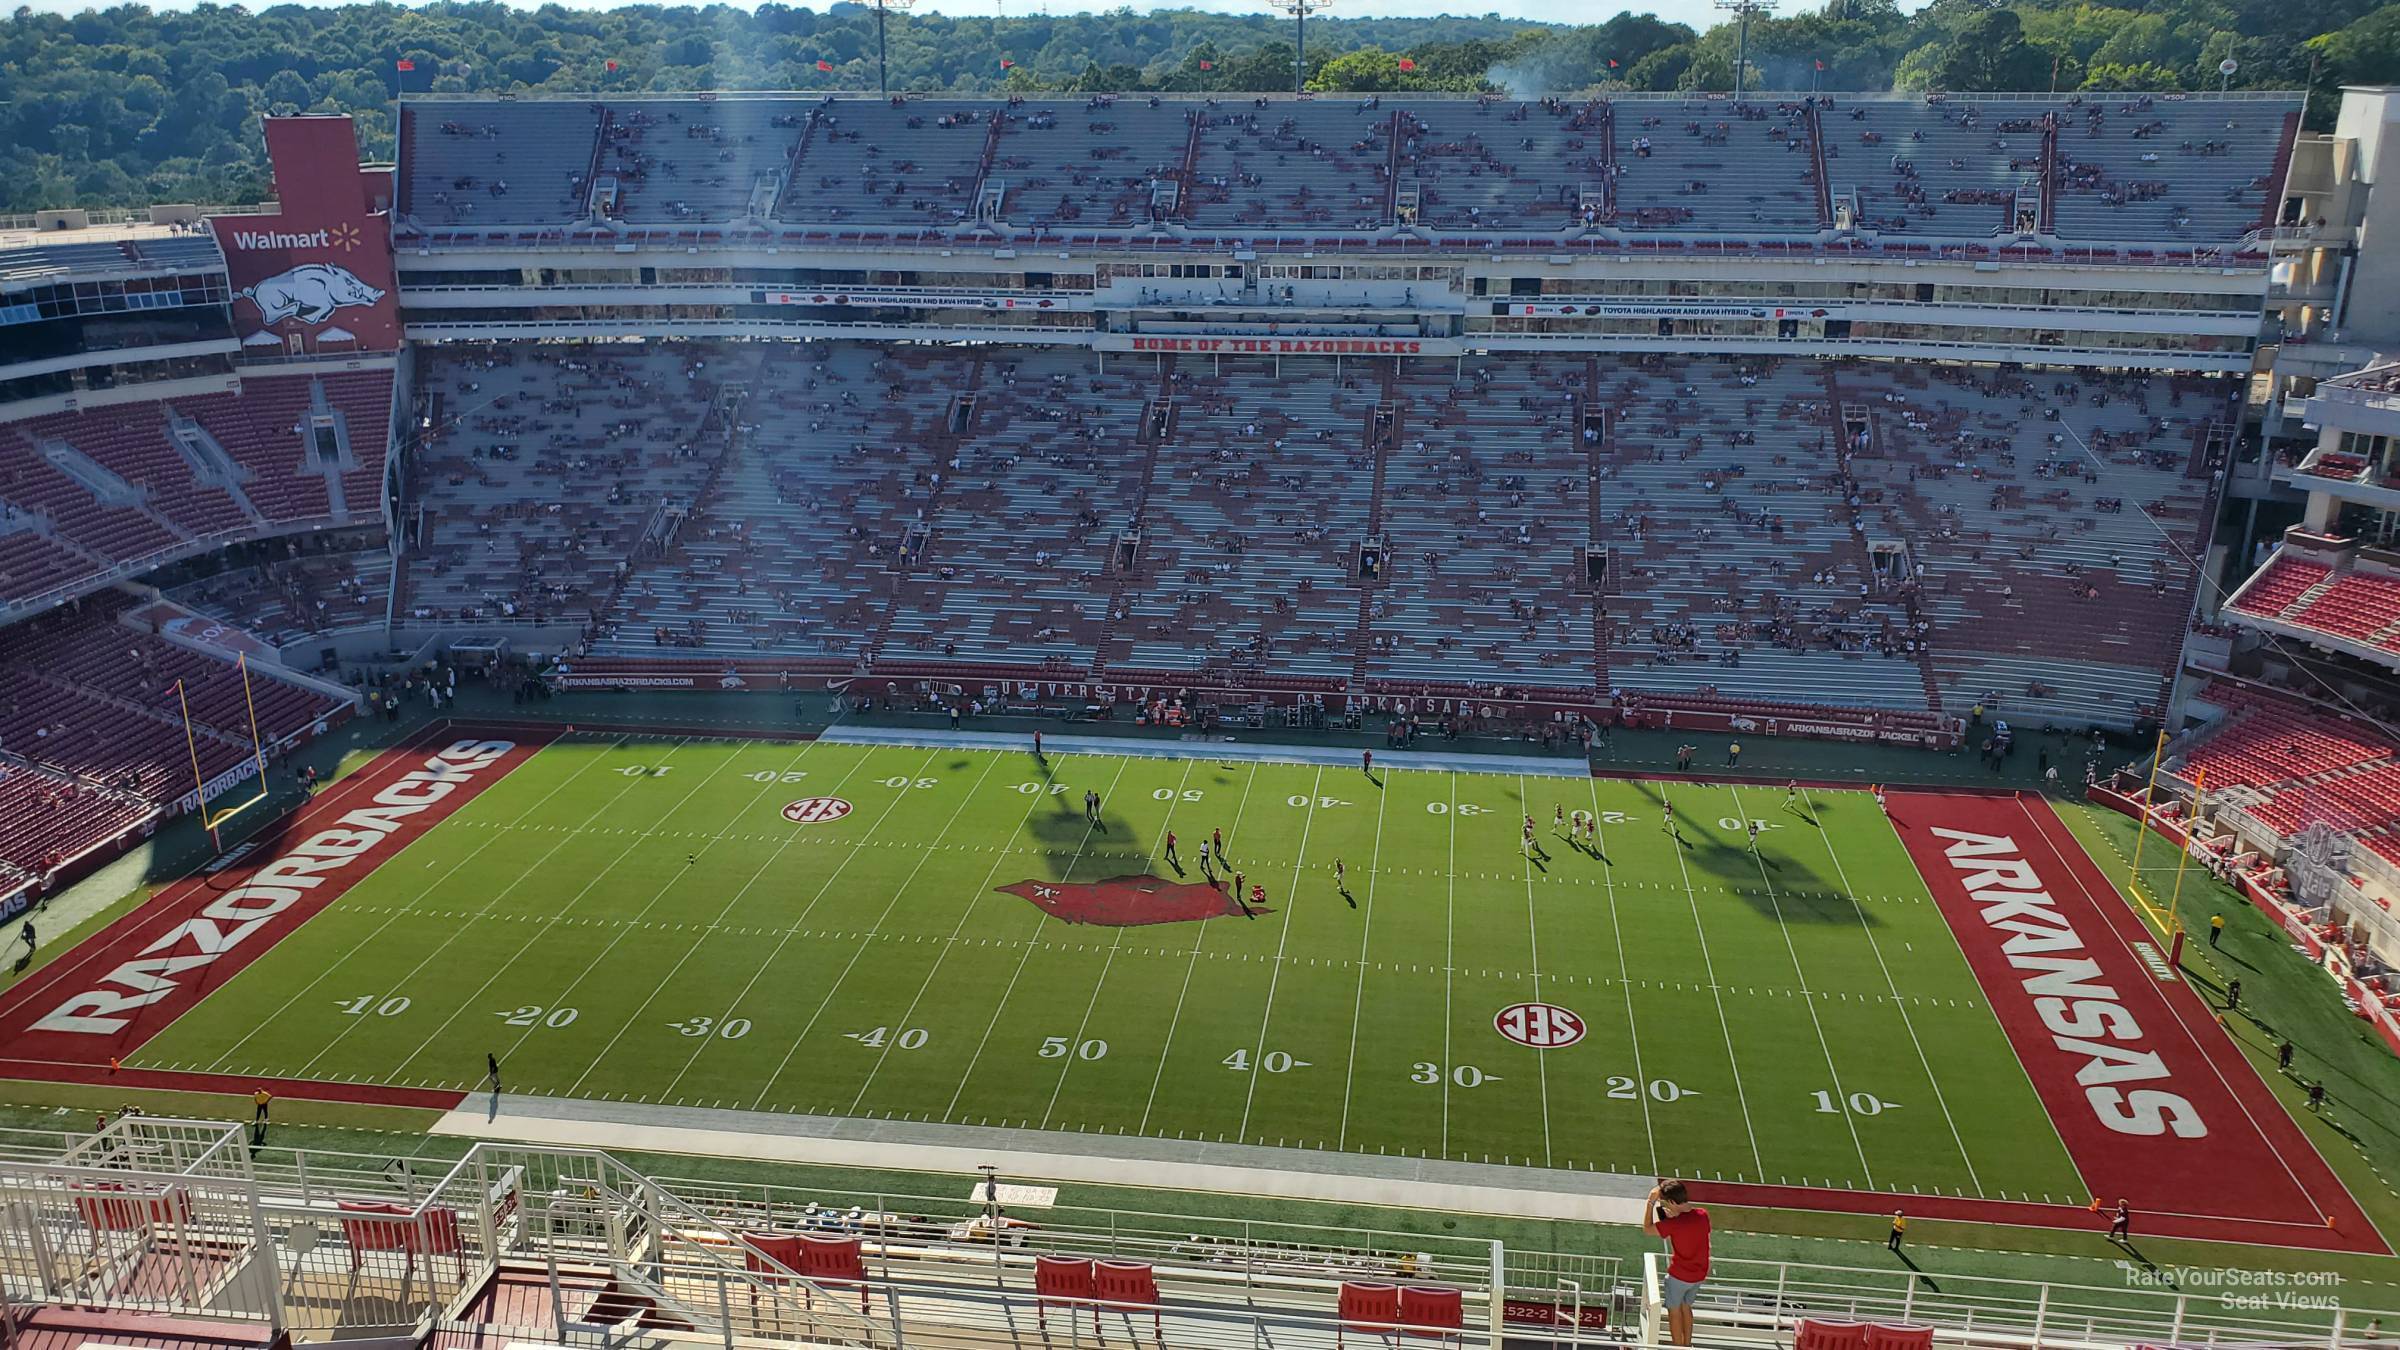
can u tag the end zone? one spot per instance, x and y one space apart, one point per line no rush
121 986
2153 1101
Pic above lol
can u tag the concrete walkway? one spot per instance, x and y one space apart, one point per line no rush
1204 747
1055 1156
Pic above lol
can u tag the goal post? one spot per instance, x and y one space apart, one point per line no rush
213 817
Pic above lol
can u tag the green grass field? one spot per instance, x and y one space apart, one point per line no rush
637 919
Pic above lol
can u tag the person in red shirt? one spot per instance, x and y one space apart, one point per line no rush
1669 1213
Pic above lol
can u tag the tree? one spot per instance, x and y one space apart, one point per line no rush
1993 55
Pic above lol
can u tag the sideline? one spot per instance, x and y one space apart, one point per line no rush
1199 747
1056 1155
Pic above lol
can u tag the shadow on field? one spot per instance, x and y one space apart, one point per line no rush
1716 852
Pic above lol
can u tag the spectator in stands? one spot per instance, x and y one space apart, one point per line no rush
1669 1213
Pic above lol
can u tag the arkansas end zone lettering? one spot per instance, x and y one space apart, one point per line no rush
2151 1101
2082 1013
155 964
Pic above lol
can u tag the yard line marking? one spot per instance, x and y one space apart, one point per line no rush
1533 947
1291 899
1067 1061
1875 946
656 986
1191 963
822 887
1849 1118
1027 959
884 1054
952 941
367 943
1358 1001
544 928
1709 964
1449 950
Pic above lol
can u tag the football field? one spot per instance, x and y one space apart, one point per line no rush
945 935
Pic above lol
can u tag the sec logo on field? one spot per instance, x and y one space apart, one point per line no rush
1544 1026
816 810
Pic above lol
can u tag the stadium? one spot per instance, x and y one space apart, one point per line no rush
1299 698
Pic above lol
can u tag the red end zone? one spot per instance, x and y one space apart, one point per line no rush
2153 1100
67 1020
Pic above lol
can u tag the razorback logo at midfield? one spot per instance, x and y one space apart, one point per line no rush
1128 901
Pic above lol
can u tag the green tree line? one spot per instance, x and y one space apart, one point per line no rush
128 105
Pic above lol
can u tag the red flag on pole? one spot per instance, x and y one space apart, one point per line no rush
404 64
824 65
1612 63
1006 64
1408 63
1208 65
612 67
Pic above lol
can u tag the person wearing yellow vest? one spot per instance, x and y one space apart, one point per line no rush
1899 1230
259 1099
2216 928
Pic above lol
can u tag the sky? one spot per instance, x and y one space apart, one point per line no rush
1698 13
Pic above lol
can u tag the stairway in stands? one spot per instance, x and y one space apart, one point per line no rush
1600 452
944 444
1362 637
1125 581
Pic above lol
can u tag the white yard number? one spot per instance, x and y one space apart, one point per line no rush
368 1003
909 782
1661 1090
1737 823
910 1039
771 776
732 1028
1171 795
1861 1103
1444 808
1465 1075
1036 789
534 1014
1274 1061
1321 803
1055 1047
642 771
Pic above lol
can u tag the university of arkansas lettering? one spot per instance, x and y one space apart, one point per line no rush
2083 1014
318 867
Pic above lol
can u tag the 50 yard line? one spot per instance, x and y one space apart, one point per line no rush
1030 947
1074 1047
1191 963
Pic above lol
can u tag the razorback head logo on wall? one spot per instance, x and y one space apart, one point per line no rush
314 275
310 293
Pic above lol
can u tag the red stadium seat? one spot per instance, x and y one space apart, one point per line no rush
1368 1307
1432 1310
1126 1285
834 1263
1064 1279
1818 1333
1898 1336
775 1260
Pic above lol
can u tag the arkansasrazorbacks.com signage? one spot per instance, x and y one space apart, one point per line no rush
317 275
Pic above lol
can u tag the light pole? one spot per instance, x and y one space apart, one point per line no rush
883 80
1299 10
1744 11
